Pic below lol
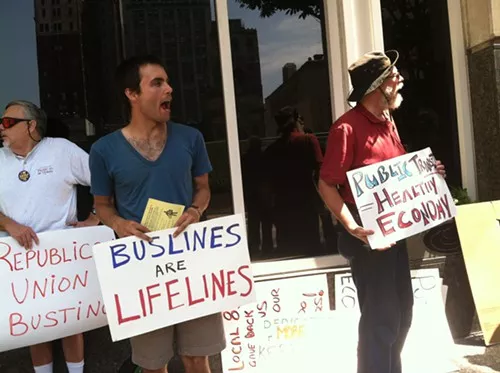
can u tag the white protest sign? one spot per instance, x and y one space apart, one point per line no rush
51 291
148 286
401 197
262 335
428 314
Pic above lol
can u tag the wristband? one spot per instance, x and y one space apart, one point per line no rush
197 209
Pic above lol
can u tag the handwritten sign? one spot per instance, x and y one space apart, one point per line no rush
401 197
428 314
147 286
259 335
51 291
160 215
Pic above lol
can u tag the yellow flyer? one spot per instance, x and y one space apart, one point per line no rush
161 215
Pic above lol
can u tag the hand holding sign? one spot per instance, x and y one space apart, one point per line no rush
401 197
24 235
126 228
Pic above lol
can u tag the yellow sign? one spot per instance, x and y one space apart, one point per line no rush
479 231
161 215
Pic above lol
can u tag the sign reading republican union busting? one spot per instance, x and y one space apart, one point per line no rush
51 291
147 286
401 197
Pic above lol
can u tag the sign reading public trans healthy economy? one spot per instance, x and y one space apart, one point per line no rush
151 285
401 197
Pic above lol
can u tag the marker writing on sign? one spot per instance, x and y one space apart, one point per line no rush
194 240
27 259
20 324
215 285
399 170
386 199
429 211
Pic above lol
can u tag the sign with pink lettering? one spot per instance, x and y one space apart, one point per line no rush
401 197
51 291
148 286
261 335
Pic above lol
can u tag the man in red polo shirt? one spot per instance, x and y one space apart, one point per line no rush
365 135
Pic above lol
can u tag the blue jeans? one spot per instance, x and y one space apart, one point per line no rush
385 297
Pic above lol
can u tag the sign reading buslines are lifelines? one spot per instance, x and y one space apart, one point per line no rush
150 285
401 197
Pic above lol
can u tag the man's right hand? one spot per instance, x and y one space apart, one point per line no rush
362 234
22 234
126 228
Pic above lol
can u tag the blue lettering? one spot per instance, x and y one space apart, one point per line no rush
199 240
186 239
161 253
171 246
115 252
391 170
406 171
370 184
359 191
214 245
383 175
137 255
236 235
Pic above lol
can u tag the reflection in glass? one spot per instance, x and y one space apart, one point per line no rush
80 44
283 107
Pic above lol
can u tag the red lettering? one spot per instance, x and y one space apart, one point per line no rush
83 282
192 302
170 295
143 303
219 284
121 319
229 283
13 324
35 327
14 292
54 320
4 257
81 252
401 223
54 254
30 255
382 223
396 198
17 261
380 202
65 260
152 296
249 282
64 310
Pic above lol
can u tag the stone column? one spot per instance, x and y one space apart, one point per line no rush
481 20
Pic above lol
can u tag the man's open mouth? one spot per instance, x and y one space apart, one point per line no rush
165 105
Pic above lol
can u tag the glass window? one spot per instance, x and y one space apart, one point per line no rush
283 107
157 27
419 30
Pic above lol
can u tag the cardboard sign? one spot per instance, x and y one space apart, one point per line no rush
479 231
148 286
428 314
401 197
261 335
51 291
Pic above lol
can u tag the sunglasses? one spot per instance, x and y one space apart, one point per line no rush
7 122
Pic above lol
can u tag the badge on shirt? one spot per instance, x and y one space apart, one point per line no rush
24 176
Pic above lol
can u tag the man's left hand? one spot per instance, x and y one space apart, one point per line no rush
91 221
189 216
440 168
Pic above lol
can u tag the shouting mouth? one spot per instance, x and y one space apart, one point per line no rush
165 105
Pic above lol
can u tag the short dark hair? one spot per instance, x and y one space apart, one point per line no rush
286 119
128 76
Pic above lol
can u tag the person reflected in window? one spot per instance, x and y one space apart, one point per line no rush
292 162
257 199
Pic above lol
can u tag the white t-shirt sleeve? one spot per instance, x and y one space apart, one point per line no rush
79 165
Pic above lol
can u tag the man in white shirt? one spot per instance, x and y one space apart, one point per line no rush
38 194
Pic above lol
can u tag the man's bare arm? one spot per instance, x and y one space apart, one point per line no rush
201 199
